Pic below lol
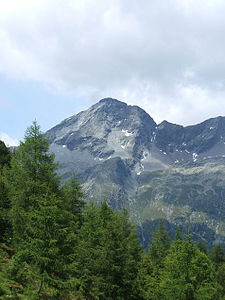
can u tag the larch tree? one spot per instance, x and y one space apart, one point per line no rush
43 225
188 273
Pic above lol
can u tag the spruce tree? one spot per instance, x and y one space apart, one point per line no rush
150 272
220 278
74 198
160 245
202 247
146 281
108 254
217 255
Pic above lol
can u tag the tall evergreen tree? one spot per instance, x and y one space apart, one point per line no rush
217 255
146 281
220 278
202 247
188 273
32 173
5 204
160 245
5 155
153 263
74 198
43 225
108 254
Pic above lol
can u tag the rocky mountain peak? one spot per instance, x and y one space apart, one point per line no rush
156 171
109 128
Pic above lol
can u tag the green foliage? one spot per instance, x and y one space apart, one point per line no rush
74 198
5 205
160 245
188 273
217 255
32 174
178 235
202 247
108 253
220 277
5 155
44 224
146 281
64 250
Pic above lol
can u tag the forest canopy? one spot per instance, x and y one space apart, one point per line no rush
55 245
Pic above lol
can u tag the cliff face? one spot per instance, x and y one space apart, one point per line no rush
156 171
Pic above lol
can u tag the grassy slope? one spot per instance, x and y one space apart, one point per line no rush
186 196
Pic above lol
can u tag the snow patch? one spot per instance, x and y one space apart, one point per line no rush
186 151
64 146
127 133
69 118
142 169
98 158
211 128
144 156
122 146
154 135
194 156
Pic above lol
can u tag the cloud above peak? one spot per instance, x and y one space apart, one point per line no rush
168 59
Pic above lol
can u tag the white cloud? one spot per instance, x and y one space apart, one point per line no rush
168 57
9 141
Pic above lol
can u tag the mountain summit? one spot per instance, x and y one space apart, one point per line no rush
156 171
109 128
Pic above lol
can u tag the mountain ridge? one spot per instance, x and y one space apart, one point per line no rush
112 147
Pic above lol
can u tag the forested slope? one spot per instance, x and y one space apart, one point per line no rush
54 246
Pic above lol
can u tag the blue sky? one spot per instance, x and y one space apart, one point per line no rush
23 102
59 57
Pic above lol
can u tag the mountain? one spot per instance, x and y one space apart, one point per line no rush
154 170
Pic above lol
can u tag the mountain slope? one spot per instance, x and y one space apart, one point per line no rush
156 171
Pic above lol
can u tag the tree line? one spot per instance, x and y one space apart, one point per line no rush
55 246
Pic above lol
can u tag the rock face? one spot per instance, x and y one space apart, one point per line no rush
156 171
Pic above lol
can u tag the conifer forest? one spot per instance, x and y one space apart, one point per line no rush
56 245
